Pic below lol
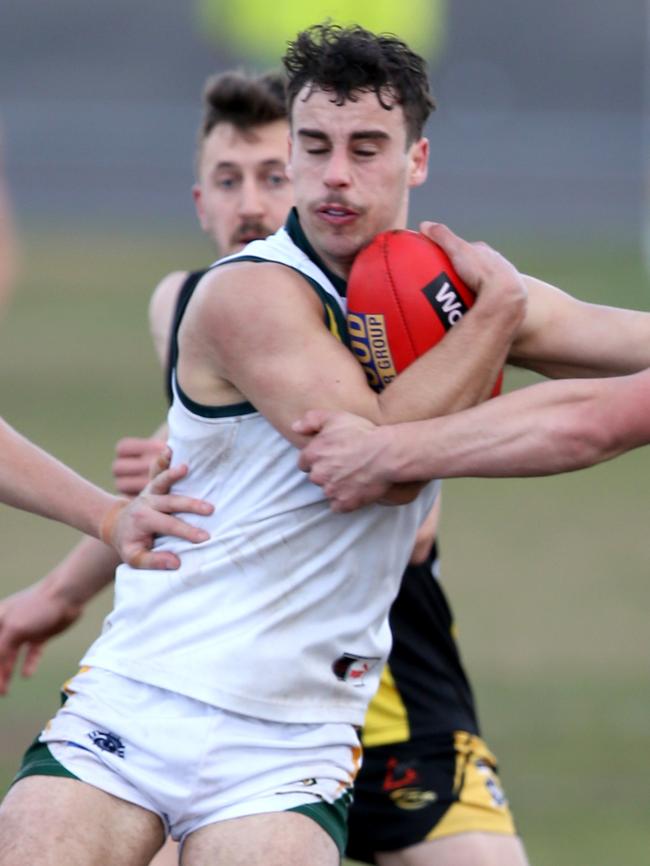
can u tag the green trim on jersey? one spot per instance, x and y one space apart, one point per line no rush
334 318
298 236
39 761
332 817
206 411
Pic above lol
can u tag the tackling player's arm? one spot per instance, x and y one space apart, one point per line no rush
563 337
31 617
540 430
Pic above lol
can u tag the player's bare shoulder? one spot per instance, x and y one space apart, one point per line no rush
250 304
161 310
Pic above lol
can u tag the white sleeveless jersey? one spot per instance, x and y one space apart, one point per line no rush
282 613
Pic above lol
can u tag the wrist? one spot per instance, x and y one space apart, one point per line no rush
504 303
109 519
394 452
59 588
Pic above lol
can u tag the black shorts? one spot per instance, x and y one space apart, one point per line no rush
425 789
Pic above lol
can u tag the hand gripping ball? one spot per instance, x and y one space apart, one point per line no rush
403 296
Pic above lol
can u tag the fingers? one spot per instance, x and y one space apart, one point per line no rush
7 664
132 467
32 659
161 463
158 561
312 422
163 480
305 462
172 503
131 485
165 524
443 235
451 243
133 446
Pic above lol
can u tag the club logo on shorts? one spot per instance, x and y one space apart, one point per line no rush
412 798
352 669
108 742
369 342
446 300
399 775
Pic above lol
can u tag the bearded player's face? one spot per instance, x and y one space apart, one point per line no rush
243 192
352 168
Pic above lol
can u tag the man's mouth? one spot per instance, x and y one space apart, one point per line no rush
336 213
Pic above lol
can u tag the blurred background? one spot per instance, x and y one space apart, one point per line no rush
539 146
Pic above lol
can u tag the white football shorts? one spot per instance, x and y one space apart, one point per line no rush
191 763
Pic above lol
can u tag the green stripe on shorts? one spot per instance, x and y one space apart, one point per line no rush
332 817
39 761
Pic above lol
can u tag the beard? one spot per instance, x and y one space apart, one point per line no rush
250 230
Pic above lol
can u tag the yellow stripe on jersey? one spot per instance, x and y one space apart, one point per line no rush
386 719
331 323
66 687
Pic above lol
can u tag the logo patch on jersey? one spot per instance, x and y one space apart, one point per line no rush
369 342
495 790
412 798
108 742
353 669
445 299
399 775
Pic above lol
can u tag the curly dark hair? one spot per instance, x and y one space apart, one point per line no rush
352 60
243 100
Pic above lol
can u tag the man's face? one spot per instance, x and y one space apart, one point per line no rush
243 192
351 169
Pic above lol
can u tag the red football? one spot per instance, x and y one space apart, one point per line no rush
403 296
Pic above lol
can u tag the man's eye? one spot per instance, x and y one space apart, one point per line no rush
225 183
316 150
277 179
365 152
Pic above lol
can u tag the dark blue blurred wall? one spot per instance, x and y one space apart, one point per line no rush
539 127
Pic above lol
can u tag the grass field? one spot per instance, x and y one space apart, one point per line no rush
548 577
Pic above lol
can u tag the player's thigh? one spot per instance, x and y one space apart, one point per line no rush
48 821
270 839
168 854
465 849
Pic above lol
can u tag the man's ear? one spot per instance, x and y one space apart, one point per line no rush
418 162
197 195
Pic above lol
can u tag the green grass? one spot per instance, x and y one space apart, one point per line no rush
548 577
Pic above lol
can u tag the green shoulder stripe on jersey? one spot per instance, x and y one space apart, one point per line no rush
205 411
332 817
39 761
333 315
201 409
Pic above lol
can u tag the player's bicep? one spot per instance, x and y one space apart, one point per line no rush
273 345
